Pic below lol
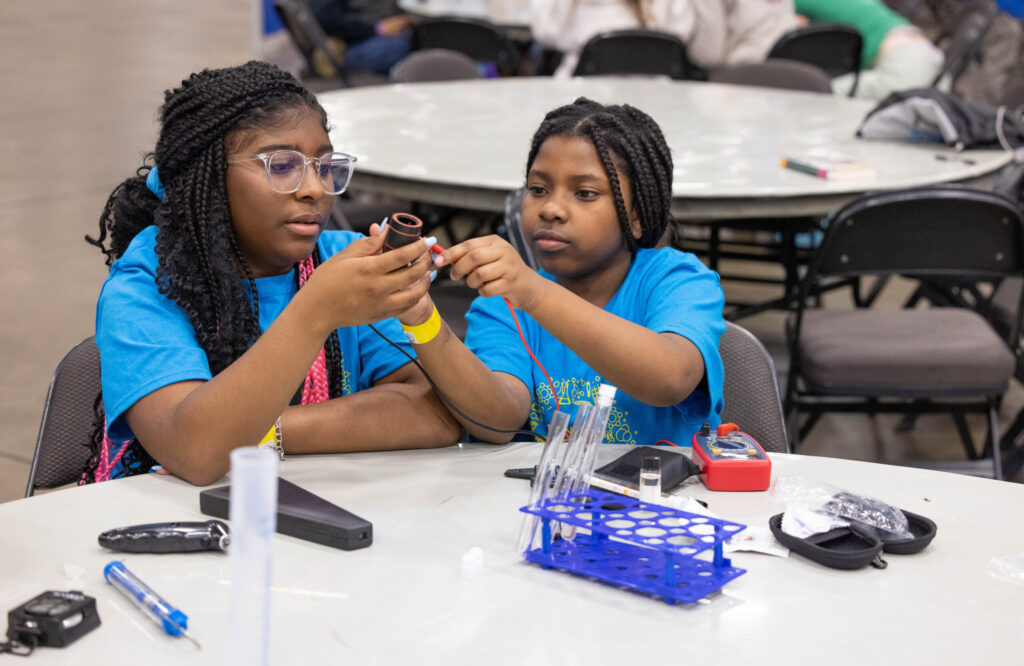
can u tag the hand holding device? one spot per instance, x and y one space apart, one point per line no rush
360 285
504 271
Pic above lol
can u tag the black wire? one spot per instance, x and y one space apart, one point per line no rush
440 395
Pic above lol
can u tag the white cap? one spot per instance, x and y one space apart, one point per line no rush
605 395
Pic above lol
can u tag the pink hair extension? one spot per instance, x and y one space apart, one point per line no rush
105 465
314 387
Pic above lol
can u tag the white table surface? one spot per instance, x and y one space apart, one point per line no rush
405 600
465 143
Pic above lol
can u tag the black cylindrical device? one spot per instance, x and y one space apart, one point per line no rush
403 229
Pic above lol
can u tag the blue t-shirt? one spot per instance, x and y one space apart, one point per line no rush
665 291
147 342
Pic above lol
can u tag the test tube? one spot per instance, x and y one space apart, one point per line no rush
567 475
549 461
650 479
253 512
603 409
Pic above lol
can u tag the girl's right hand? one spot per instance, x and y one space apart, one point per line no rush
494 268
362 285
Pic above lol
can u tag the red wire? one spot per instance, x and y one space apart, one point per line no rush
551 384
665 441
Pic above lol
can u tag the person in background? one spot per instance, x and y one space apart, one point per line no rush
229 314
716 32
375 33
607 307
896 55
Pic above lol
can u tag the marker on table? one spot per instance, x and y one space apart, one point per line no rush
804 167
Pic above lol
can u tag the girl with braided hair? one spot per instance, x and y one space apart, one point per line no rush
230 313
606 307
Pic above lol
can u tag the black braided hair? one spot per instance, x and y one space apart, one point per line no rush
200 263
627 140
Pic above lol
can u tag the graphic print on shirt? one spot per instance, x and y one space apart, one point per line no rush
574 391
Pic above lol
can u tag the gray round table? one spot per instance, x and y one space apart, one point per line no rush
464 143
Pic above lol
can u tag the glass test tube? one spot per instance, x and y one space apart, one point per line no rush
549 461
602 411
650 479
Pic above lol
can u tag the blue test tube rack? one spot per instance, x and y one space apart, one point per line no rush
641 546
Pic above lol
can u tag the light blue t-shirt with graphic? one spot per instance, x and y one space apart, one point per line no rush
665 291
146 341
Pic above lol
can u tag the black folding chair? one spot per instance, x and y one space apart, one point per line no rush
325 65
480 40
920 360
834 47
641 52
62 446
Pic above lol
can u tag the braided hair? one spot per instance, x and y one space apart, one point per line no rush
200 265
627 140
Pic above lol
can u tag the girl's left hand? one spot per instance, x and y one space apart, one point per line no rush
494 268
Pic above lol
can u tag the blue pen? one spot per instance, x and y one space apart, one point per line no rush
172 620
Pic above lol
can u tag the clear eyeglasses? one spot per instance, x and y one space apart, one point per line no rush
287 168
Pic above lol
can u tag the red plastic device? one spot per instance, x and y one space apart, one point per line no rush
730 459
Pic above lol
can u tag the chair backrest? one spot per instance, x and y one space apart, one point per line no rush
514 226
834 47
776 73
751 389
62 447
434 65
480 40
645 52
941 231
322 60
963 35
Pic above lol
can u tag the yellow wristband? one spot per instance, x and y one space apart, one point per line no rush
423 333
272 440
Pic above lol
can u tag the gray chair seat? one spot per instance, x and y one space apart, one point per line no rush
935 351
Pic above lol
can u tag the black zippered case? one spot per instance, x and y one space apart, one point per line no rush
855 546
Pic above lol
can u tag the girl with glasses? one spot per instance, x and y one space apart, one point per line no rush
230 317
606 306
